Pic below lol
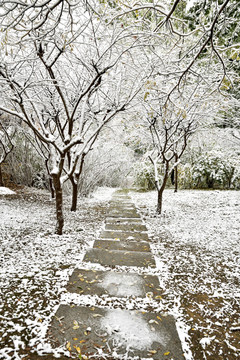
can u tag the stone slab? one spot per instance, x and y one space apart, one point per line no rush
123 214
118 257
95 331
125 227
112 220
121 197
126 245
124 235
118 284
121 208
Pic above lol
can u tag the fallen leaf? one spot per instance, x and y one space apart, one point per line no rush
75 325
82 341
78 349
167 353
75 339
97 315
158 317
158 297
152 351
68 346
92 281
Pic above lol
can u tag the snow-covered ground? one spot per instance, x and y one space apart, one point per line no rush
195 242
36 263
197 239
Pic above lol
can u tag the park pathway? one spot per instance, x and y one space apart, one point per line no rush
111 330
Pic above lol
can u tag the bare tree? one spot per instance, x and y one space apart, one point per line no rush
67 85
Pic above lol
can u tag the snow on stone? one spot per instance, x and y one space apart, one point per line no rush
6 191
121 284
130 329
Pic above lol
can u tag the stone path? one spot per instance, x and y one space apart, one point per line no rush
95 332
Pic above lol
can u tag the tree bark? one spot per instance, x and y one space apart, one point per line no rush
59 204
1 177
159 203
51 188
160 191
75 183
74 194
176 175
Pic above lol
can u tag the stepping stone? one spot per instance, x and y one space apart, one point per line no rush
117 284
118 257
95 331
121 235
112 220
123 214
121 208
126 245
125 227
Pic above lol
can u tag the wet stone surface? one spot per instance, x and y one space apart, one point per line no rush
116 257
121 235
112 283
127 245
131 333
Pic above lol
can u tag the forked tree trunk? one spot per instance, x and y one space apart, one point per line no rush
59 203
1 177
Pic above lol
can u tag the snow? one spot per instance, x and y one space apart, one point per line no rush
120 284
103 193
197 240
196 247
131 329
6 191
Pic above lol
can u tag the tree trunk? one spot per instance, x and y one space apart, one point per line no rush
176 175
1 177
59 204
75 183
159 203
51 188
160 191
74 194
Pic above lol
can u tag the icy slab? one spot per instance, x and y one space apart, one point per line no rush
114 331
124 235
6 191
118 257
127 245
117 284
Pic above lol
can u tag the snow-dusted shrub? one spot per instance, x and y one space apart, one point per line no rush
25 166
185 178
216 169
106 165
144 175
